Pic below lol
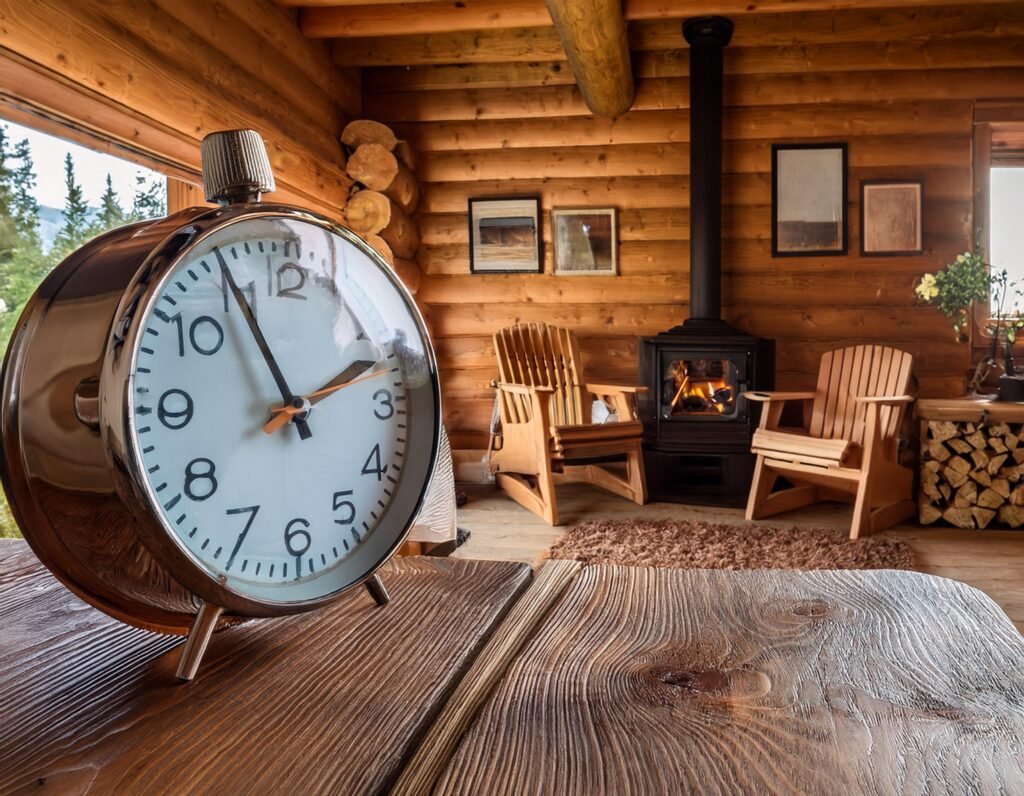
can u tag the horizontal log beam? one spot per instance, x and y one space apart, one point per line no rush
619 352
179 91
836 120
672 94
422 18
945 221
631 160
903 28
681 9
961 53
338 19
663 191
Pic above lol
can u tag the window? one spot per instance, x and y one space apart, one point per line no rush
1006 220
55 196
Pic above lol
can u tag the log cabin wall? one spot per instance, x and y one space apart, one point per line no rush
152 77
496 113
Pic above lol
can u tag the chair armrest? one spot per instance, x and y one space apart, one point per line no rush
884 400
523 389
767 397
608 389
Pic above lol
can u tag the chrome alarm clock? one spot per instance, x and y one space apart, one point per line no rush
229 412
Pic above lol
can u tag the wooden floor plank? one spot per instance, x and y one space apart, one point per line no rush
992 561
329 702
704 681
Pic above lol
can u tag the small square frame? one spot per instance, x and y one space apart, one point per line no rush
529 208
559 213
866 187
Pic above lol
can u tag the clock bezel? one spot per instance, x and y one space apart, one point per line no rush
116 422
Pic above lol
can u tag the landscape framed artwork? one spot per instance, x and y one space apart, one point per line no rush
809 200
585 241
890 217
504 235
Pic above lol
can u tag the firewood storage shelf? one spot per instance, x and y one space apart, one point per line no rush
972 463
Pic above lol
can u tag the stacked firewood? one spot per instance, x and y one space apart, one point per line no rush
971 473
384 195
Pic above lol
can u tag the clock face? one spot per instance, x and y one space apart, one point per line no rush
283 408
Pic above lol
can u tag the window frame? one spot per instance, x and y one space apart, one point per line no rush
992 121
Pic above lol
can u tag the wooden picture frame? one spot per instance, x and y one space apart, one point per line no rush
505 235
809 200
585 241
891 217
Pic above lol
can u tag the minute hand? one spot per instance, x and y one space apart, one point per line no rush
286 394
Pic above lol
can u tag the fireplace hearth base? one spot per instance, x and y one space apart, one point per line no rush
714 479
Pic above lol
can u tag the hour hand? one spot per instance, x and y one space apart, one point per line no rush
343 378
282 414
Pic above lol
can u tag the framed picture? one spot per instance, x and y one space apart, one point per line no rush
586 241
504 235
890 217
808 200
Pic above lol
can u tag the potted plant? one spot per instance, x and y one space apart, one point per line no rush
969 280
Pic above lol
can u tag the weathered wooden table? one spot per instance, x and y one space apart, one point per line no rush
478 680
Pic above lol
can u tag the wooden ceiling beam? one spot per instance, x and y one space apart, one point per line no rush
680 9
904 29
347 19
412 18
593 35
337 3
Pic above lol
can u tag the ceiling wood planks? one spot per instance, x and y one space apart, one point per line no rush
410 18
349 19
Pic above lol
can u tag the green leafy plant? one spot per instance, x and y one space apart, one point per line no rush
965 281
956 287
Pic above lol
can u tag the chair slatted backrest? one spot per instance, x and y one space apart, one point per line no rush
863 370
539 355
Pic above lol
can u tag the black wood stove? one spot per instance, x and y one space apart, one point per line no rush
697 429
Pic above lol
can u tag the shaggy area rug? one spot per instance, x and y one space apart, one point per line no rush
699 545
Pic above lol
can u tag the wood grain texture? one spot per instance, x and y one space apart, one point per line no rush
593 35
330 702
183 69
441 740
436 17
675 681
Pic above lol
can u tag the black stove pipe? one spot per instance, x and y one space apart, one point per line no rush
707 37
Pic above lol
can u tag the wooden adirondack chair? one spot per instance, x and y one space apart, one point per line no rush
547 436
849 445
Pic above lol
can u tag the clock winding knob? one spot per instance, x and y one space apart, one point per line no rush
236 168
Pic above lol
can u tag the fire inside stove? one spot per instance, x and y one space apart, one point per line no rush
705 387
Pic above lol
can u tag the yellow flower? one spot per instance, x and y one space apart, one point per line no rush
926 288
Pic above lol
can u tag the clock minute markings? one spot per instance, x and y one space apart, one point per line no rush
286 393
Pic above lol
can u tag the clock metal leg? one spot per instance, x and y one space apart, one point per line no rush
375 586
198 638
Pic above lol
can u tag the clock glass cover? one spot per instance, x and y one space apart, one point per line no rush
283 408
